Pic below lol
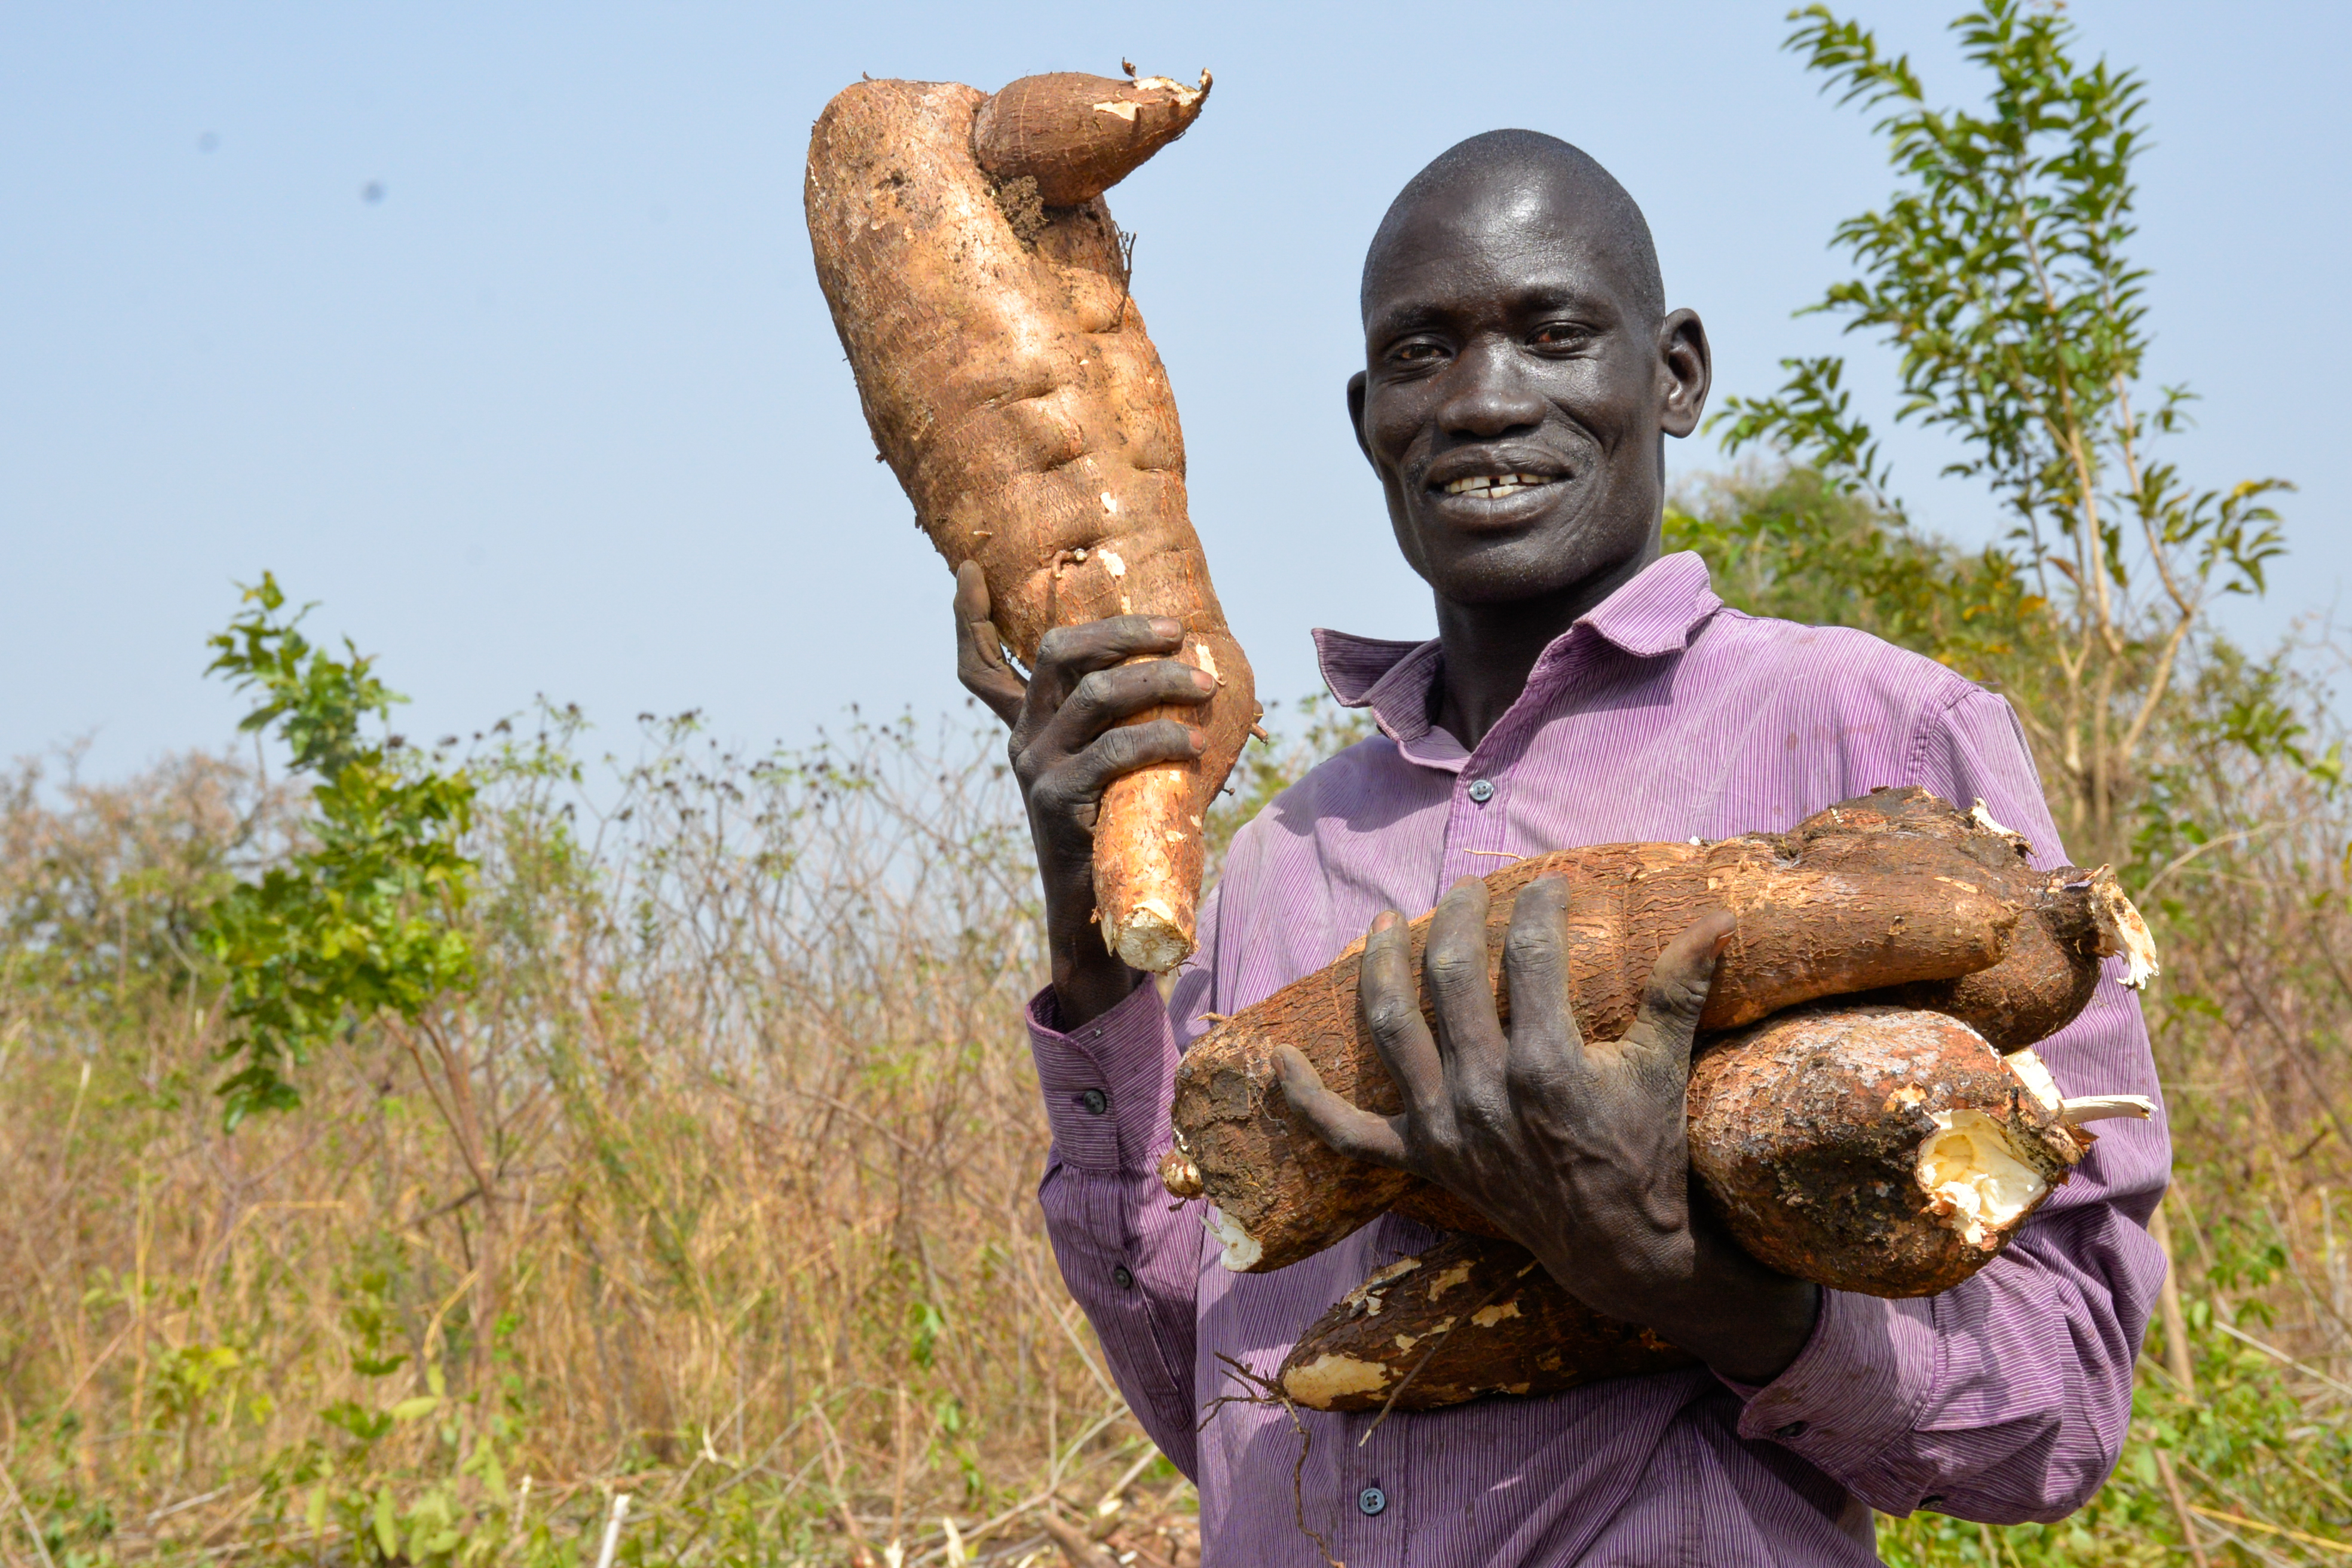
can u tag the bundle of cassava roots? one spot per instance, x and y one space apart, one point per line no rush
981 291
1889 1142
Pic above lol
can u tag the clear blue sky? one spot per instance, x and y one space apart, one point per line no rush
561 410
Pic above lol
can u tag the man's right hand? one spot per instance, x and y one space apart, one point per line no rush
1070 740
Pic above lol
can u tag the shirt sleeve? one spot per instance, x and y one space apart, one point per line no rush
2006 1398
1129 1253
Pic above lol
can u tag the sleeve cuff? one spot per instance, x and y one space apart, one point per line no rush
1107 1084
1852 1393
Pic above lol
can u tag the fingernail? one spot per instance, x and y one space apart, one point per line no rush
1200 739
1386 920
1167 626
1203 680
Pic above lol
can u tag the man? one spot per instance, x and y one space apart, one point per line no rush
1521 374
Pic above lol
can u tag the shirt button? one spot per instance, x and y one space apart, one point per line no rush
1482 790
1095 1101
1372 1501
1123 1278
1792 1430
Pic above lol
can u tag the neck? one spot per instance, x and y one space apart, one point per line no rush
1490 649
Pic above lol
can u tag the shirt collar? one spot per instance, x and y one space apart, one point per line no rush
1656 613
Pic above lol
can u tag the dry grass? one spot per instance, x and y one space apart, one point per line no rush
740 1128
762 1142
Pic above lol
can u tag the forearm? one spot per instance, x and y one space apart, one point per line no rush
1088 979
1128 1261
2004 1399
2008 1396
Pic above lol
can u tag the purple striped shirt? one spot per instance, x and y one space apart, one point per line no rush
1660 715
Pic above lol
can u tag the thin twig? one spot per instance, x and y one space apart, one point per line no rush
613 1522
32 1528
2272 1528
2313 1373
2181 1507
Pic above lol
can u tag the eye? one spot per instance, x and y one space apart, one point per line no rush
1559 335
1418 353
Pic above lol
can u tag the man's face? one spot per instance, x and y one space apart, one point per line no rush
1514 394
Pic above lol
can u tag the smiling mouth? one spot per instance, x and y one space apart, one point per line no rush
1494 487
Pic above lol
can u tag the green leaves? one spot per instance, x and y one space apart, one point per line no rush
317 703
361 922
1998 273
1996 269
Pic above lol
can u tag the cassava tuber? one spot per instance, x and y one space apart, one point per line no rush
1882 1149
1467 1318
981 291
1892 889
1865 1147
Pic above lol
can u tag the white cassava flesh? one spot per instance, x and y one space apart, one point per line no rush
2125 932
1974 1178
2105 1107
1240 1248
2034 1074
1149 937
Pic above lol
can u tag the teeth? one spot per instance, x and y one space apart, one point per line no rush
1495 486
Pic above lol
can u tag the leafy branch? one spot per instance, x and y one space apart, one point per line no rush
362 922
1998 272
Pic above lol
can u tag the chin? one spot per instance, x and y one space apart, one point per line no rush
1511 570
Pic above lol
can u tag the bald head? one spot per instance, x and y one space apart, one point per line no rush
1521 375
1545 179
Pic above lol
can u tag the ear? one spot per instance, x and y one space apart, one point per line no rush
1355 417
1686 372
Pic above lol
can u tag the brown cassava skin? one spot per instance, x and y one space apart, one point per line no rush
1819 916
1806 1131
1896 878
1467 1318
1010 384
2052 967
1078 135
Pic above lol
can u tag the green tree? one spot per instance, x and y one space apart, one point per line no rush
363 922
1998 272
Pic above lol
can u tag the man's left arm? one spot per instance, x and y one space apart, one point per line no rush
2008 1396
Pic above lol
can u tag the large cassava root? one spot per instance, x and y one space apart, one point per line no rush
1893 892
1877 1149
1467 1318
1863 1146
1007 379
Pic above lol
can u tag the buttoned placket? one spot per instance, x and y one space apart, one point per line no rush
1478 821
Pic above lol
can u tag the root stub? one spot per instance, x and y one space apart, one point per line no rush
1895 890
1078 135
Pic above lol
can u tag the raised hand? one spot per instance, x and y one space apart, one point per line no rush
1070 740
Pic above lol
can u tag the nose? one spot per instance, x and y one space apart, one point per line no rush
1487 396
